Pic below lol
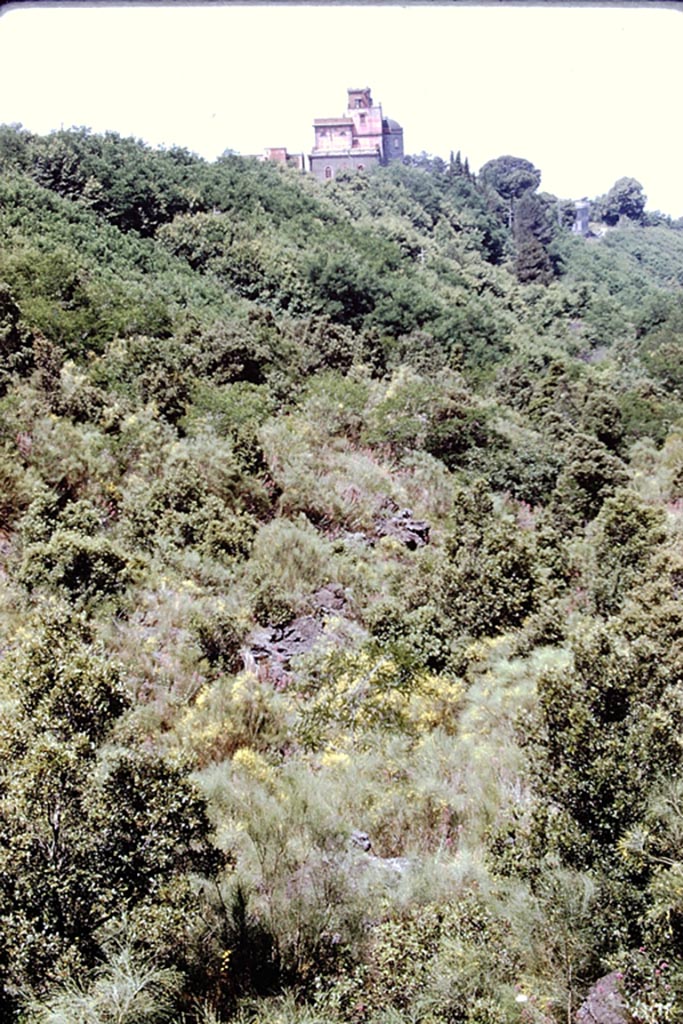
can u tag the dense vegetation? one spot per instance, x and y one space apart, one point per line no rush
457 795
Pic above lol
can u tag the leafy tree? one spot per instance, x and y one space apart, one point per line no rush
662 354
625 199
628 533
533 232
134 187
14 147
510 177
16 349
87 833
602 417
605 744
490 580
591 473
346 291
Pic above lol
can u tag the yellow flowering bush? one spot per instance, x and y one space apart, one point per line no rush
369 688
235 712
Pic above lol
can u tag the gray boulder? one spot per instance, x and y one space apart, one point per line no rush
604 1003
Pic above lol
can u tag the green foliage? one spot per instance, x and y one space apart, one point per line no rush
376 689
605 733
84 568
627 535
445 962
625 199
602 417
120 179
511 177
195 502
490 579
590 475
218 382
533 231
16 354
15 492
86 835
61 687
220 635
127 989
343 288
65 550
290 560
435 412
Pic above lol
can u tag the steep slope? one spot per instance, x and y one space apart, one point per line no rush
340 579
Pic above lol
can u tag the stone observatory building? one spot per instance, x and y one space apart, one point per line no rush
360 138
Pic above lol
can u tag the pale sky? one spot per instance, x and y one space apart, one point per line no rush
588 95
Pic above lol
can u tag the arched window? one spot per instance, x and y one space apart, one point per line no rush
328 172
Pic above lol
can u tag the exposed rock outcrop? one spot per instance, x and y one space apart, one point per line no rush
604 1003
271 649
401 525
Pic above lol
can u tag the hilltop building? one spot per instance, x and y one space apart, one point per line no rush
280 155
581 225
360 138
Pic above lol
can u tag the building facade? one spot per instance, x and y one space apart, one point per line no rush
581 224
359 139
280 155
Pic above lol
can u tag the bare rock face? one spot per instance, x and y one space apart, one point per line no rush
401 525
604 1003
271 649
330 598
361 840
389 867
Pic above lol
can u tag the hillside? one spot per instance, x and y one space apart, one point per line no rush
340 573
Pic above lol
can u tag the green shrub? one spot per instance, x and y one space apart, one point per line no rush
196 501
426 631
289 561
220 634
490 582
88 834
15 492
225 536
527 472
128 988
82 567
627 533
16 351
590 475
449 962
336 405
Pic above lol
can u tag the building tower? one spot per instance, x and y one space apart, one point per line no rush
359 139
581 225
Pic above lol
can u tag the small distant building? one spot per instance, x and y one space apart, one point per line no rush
581 225
359 139
280 155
